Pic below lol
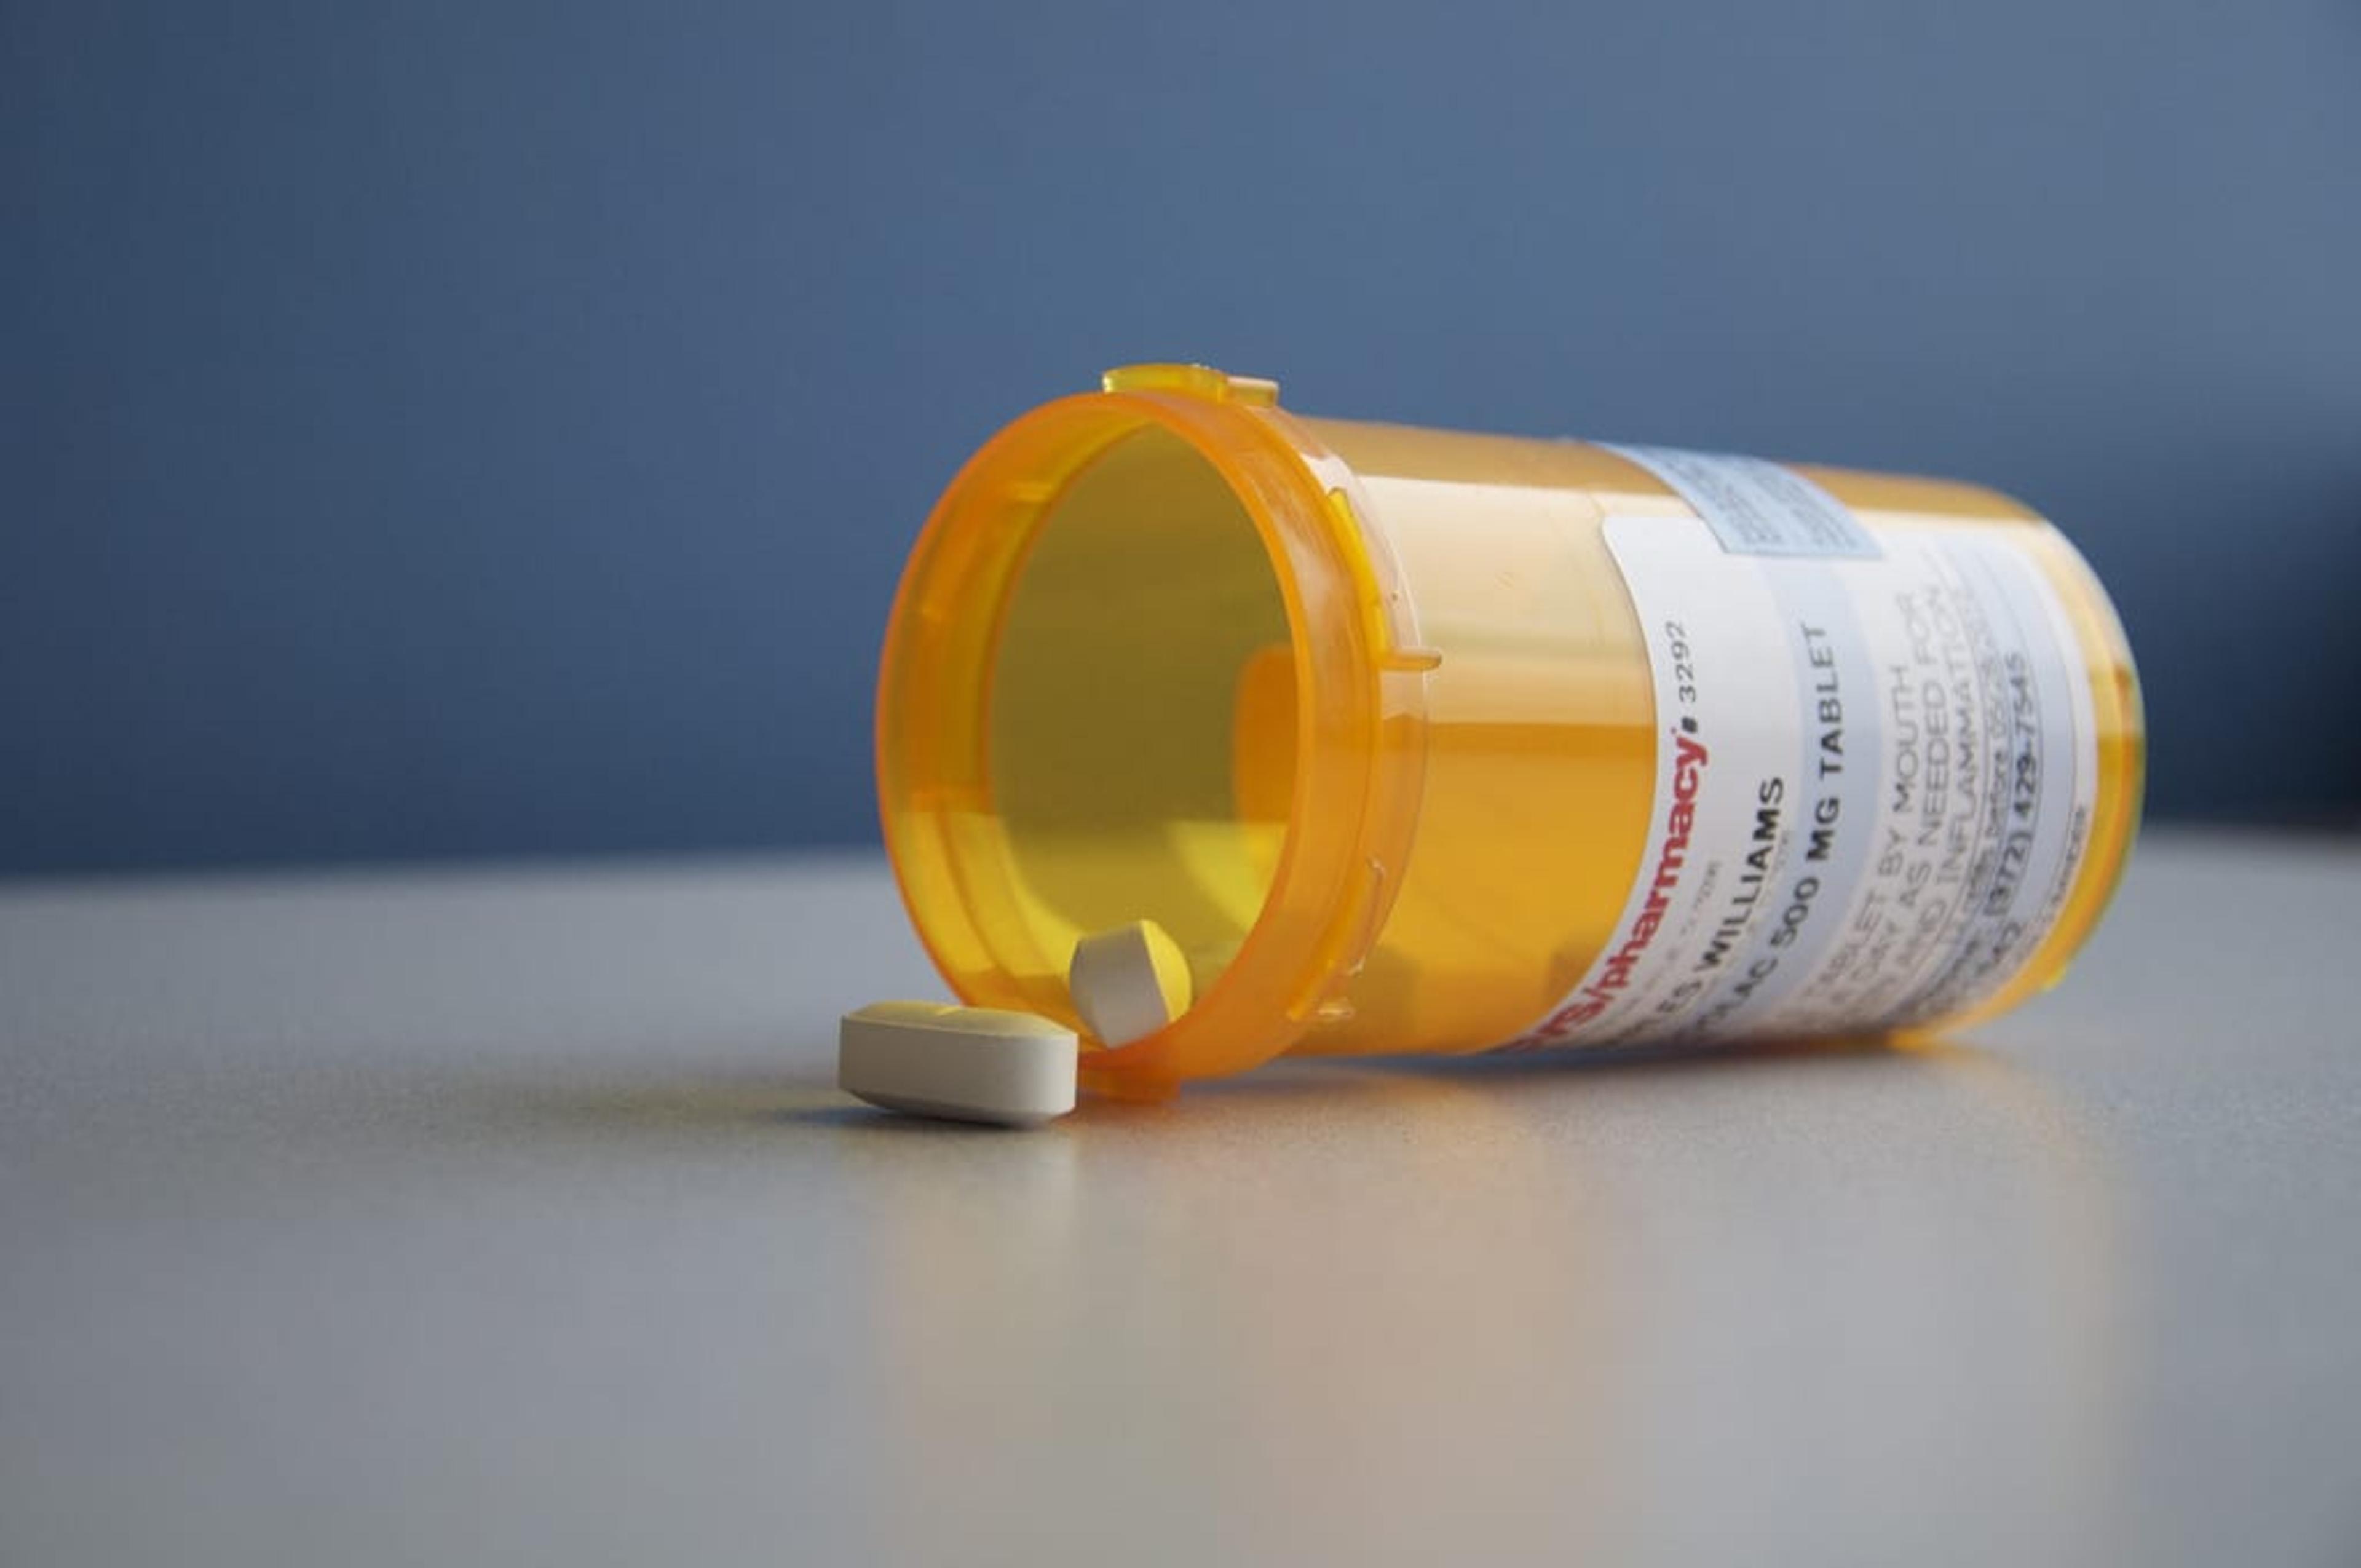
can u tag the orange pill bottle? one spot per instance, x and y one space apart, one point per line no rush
1426 742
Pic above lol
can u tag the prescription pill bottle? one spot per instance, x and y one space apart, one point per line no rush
1420 740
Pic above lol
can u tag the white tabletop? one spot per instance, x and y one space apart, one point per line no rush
511 1215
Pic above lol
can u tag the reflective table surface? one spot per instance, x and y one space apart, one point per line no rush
511 1215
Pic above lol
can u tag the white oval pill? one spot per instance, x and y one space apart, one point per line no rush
971 1064
1128 982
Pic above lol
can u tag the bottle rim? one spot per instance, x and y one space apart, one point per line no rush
1361 712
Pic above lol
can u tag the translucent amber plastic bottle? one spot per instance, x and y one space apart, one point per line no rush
1423 741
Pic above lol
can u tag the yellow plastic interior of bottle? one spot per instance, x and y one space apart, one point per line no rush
1145 664
1126 785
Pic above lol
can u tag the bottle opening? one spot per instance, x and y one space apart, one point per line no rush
1140 732
1138 670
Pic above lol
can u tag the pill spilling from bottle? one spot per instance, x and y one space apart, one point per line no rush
967 1064
1009 1068
1128 983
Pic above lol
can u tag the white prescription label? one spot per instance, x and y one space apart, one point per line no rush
1875 776
1756 506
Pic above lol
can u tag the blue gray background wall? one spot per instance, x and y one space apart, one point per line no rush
489 429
